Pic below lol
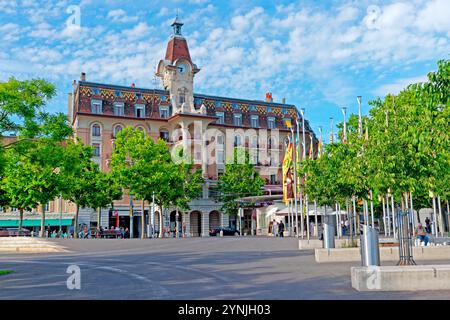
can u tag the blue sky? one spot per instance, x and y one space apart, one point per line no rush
318 55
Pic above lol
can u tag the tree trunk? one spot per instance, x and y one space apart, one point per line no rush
161 222
99 217
350 220
75 221
143 220
177 224
20 220
42 231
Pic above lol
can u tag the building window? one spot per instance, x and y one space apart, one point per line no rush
138 96
96 91
272 143
117 129
164 135
237 119
118 109
96 147
221 117
220 140
217 104
254 121
139 111
252 108
268 109
118 93
96 130
237 140
96 106
273 179
219 156
235 106
47 207
182 98
164 112
254 143
270 123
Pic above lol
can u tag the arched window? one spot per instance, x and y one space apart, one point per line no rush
96 130
237 140
117 129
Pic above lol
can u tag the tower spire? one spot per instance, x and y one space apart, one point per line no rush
176 25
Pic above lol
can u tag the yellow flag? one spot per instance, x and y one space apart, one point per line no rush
287 163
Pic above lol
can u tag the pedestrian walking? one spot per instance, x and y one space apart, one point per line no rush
281 229
275 228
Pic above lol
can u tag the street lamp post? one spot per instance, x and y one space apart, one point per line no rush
360 128
303 157
131 217
295 230
299 186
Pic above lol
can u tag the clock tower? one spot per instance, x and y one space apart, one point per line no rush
177 72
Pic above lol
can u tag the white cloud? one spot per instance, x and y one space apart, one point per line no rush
120 15
399 85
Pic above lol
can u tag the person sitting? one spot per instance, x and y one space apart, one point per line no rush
421 234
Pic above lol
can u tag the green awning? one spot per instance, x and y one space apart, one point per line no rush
35 223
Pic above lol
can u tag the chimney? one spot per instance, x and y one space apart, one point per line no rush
283 100
269 97
133 85
83 76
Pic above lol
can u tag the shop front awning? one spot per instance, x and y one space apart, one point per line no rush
14 223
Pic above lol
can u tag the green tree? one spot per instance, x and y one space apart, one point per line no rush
239 180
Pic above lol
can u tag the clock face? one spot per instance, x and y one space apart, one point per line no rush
182 68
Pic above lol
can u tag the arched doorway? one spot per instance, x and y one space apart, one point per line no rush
214 220
173 222
196 223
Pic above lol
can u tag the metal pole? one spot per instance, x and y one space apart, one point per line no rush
153 215
356 218
393 217
307 215
316 226
297 179
434 216
413 217
371 208
337 220
294 149
388 215
384 217
360 128
303 133
60 215
301 212
344 111
131 216
441 218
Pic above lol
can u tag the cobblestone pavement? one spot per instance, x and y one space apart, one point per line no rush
194 268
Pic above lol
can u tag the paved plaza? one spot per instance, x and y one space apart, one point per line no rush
193 268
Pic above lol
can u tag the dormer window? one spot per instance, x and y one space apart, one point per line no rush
138 95
96 106
270 123
118 109
96 91
118 93
237 118
221 117
254 121
164 112
139 111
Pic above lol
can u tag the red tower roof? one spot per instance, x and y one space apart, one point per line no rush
177 48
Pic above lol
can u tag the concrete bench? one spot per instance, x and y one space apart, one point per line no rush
401 278
386 254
